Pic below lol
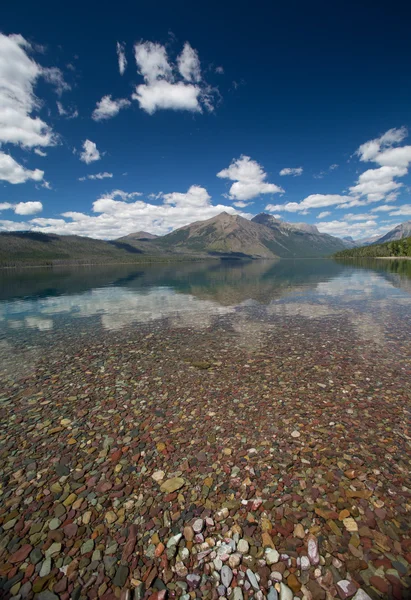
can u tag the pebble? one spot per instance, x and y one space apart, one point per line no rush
226 576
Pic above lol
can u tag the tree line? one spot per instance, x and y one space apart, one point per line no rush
395 248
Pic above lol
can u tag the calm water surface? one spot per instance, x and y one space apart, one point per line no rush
41 306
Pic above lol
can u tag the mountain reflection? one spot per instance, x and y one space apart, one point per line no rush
198 294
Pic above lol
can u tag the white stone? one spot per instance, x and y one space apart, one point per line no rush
243 546
285 592
271 556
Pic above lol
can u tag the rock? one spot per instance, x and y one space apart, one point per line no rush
238 594
299 531
252 579
188 533
45 567
285 592
361 595
271 556
312 548
121 575
293 583
272 593
171 485
350 524
243 546
158 475
46 595
295 434
21 554
305 563
193 580
198 525
234 560
226 576
110 517
345 588
173 541
87 547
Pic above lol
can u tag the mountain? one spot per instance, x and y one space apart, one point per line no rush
397 248
224 235
367 241
30 247
142 236
299 239
229 235
398 233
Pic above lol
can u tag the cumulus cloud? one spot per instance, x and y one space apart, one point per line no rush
250 179
325 213
119 213
295 172
356 230
312 201
90 153
13 172
23 208
18 75
108 108
162 89
378 184
103 175
121 56
28 208
373 148
189 64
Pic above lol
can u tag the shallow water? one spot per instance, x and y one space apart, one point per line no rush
278 389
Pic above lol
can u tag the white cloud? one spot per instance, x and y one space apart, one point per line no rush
161 90
103 175
115 217
383 208
23 208
292 171
18 75
13 172
404 210
122 61
40 152
55 76
312 201
242 204
28 208
67 113
325 213
358 217
375 184
90 153
219 70
333 167
108 108
249 178
345 228
189 64
371 149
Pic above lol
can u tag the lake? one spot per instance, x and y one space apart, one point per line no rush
263 400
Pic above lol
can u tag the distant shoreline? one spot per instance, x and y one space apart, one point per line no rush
393 257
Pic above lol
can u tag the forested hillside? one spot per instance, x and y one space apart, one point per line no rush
395 248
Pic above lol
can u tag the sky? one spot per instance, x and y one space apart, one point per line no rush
149 116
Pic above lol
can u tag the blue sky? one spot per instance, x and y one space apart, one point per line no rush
138 117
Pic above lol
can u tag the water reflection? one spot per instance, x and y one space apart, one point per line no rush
199 294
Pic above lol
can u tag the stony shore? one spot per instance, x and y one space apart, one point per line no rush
180 463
